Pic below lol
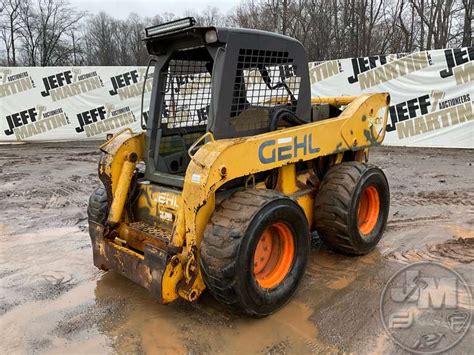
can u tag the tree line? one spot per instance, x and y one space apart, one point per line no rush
55 33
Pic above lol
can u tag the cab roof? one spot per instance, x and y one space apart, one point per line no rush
183 33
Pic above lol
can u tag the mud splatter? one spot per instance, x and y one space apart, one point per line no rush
460 250
340 283
442 198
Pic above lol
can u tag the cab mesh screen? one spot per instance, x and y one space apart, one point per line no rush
187 94
263 79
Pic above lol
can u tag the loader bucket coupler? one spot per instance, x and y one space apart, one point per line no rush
145 269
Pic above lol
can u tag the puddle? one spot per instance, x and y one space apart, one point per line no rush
53 300
204 327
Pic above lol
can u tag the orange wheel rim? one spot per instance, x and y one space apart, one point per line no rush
368 210
274 255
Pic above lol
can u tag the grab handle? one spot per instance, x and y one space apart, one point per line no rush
199 140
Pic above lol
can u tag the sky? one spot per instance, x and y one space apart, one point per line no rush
148 8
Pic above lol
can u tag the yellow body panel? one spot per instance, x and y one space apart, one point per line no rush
333 100
117 164
116 151
120 194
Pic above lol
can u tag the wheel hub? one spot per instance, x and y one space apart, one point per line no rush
368 210
274 255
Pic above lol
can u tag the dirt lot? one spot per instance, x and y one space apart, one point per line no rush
53 300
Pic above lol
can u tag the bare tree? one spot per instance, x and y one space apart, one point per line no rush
349 28
52 32
435 16
45 28
100 47
56 20
138 53
28 33
121 40
211 16
9 15
467 40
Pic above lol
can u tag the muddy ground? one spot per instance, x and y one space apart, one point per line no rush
53 300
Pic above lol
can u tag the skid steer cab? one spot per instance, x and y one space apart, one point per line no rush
236 167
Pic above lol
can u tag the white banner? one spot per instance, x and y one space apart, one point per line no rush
432 97
432 93
70 103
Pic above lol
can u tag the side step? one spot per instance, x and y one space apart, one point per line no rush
138 234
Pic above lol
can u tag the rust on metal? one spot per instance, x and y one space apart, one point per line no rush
145 269
139 234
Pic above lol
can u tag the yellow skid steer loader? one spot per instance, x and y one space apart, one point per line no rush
236 167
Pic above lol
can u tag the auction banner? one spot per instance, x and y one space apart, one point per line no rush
70 103
432 93
432 97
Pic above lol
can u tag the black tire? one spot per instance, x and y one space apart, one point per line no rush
97 210
229 244
321 166
337 207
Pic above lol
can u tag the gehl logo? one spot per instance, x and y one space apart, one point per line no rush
70 83
103 119
13 84
460 63
286 148
130 84
33 121
166 201
428 113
